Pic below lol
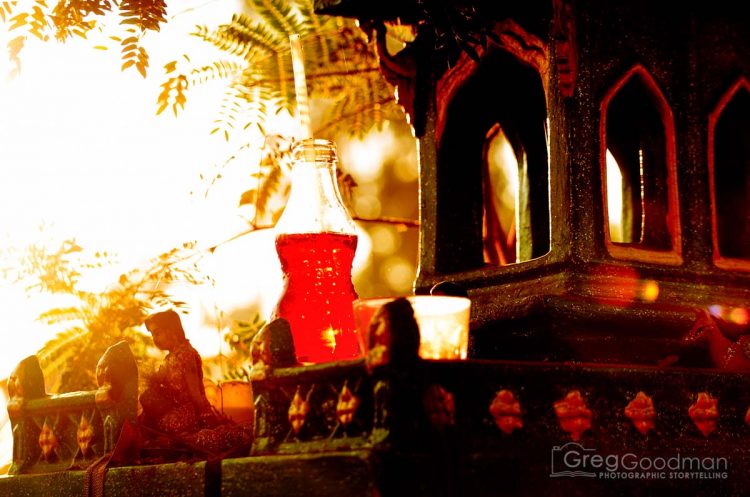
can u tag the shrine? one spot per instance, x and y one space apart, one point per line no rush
609 342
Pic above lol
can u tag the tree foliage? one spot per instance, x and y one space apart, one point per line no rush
64 19
341 65
236 364
342 72
90 321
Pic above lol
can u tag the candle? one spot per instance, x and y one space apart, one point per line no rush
443 326
233 398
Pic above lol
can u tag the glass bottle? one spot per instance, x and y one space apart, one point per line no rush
315 240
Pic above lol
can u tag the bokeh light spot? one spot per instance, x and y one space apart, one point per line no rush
739 315
367 206
384 241
649 291
399 273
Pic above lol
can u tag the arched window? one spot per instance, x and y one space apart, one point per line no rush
729 172
639 172
515 174
492 166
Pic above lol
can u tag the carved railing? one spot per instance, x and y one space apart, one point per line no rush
342 405
71 430
407 426
463 427
469 426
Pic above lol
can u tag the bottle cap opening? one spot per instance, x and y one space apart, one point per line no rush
314 150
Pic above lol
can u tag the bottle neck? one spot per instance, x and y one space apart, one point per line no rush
315 204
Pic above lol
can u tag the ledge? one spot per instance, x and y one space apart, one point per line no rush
345 474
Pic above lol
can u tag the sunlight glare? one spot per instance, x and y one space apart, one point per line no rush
83 154
364 159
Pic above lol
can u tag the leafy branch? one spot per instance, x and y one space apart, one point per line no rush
342 68
68 18
93 320
343 76
238 338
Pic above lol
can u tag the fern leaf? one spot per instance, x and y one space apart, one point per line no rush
172 93
61 314
243 38
235 105
279 15
257 35
62 348
6 9
73 17
221 41
218 69
226 119
133 54
255 106
143 14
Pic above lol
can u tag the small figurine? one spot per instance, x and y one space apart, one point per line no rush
116 397
272 347
393 335
175 403
175 400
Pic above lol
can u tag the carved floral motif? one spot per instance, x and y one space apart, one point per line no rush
47 441
566 49
641 412
573 414
705 413
440 407
509 36
506 411
85 435
298 410
346 406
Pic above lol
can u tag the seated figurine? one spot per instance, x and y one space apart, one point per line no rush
175 403
175 400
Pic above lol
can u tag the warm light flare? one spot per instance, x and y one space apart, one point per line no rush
83 155
739 315
649 291
329 338
735 315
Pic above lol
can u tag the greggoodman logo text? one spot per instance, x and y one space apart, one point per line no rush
574 460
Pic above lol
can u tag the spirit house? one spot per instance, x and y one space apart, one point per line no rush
585 181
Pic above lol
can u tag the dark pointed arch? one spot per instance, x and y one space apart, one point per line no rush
505 93
729 177
655 231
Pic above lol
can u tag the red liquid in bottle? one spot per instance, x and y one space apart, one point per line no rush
317 299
